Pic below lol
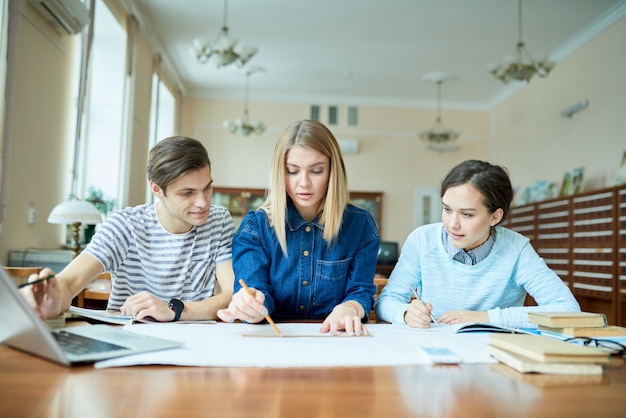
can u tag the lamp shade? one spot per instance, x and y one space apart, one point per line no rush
72 211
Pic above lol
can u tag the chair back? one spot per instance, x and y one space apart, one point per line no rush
97 293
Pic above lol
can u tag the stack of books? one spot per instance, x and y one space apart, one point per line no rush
576 324
528 353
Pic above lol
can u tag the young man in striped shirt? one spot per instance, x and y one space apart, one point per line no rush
165 258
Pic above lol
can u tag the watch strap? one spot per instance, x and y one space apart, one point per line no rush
177 306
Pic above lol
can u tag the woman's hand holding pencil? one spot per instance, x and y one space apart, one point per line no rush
247 305
419 314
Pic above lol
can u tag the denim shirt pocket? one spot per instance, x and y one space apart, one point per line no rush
330 282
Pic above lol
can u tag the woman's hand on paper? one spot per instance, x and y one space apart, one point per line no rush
344 318
245 307
461 316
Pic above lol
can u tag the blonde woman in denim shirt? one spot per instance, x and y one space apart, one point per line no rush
307 253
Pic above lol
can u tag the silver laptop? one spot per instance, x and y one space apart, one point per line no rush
21 328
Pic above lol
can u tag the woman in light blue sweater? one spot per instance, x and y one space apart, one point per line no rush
467 267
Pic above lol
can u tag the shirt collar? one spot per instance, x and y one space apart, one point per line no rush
471 257
295 221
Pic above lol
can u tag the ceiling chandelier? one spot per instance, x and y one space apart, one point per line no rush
222 51
243 126
439 138
521 66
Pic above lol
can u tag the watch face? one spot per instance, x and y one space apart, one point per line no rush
177 305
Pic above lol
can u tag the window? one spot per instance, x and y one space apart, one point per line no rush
352 116
4 32
102 152
162 117
332 115
162 112
315 112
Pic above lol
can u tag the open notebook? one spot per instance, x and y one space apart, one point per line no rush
21 328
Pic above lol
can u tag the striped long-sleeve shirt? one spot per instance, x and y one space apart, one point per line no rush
142 255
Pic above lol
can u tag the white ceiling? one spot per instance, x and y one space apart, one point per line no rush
368 52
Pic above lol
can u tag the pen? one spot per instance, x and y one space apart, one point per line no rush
417 296
35 281
267 317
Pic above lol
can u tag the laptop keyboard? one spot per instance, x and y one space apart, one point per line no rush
77 344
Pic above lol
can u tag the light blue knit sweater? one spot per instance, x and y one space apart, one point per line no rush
497 285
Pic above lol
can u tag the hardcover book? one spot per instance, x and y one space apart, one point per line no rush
548 350
606 331
545 380
567 319
525 365
573 182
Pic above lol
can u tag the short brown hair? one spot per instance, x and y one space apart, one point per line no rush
173 157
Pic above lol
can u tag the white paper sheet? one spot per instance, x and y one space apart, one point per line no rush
224 345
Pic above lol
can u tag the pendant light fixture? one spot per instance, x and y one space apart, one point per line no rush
521 66
223 50
438 137
244 126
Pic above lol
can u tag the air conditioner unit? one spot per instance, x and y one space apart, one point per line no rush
67 16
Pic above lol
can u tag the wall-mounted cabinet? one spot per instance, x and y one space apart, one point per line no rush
583 239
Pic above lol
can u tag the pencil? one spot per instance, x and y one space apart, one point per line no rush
35 281
267 317
417 296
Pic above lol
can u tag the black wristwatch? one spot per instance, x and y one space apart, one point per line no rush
177 306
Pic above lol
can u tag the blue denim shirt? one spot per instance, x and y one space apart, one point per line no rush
314 277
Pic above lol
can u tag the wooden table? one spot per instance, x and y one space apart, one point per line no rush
31 387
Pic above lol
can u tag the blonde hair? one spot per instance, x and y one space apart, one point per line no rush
313 135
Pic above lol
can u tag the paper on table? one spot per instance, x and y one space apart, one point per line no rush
115 317
109 317
318 335
223 345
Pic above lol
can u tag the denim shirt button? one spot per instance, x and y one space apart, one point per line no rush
305 283
305 253
301 307
307 229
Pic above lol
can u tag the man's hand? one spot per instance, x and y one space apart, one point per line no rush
144 304
44 297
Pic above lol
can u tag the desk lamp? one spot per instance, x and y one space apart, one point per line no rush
75 212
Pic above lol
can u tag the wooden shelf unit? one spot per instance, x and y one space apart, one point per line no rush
583 239
238 201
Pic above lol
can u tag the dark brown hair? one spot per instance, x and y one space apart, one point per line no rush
492 181
173 157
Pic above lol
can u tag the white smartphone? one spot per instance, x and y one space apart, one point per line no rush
441 355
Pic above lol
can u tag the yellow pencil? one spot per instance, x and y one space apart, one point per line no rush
267 317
